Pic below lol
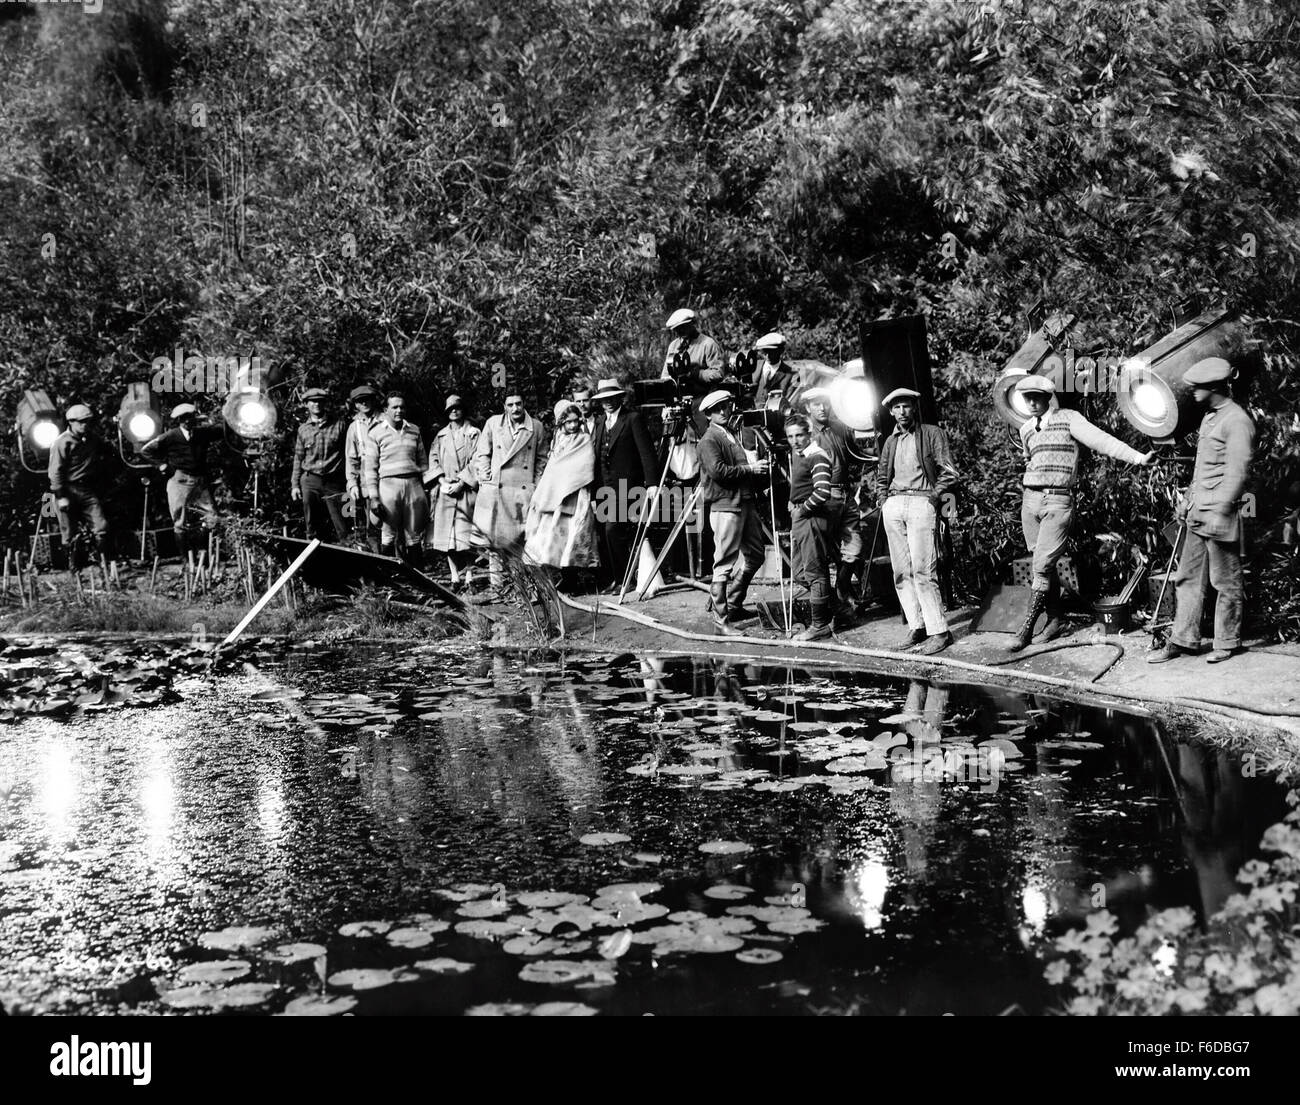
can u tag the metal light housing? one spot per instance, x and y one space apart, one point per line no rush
37 424
1152 392
138 421
250 413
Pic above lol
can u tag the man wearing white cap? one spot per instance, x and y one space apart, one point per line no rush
915 470
1050 439
626 465
1211 509
184 449
773 373
76 467
449 479
695 360
729 481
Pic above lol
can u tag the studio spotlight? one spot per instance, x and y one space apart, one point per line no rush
250 416
1152 393
138 421
36 424
1030 358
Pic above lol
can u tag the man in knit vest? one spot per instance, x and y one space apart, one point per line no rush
1051 438
915 470
812 523
392 468
1211 508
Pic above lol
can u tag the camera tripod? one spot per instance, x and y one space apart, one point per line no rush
671 438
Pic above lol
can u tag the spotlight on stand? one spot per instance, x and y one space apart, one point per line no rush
36 424
1152 393
250 416
1037 356
138 421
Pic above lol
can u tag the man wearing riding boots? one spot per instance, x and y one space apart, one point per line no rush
184 449
837 441
318 477
76 466
812 523
1212 515
365 409
1050 440
915 470
392 471
729 481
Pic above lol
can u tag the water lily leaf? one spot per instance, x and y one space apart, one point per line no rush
615 945
647 857
241 995
687 916
727 892
549 899
689 770
708 943
769 913
365 928
555 972
215 973
410 938
794 928
629 891
725 847
370 978
236 938
489 930
320 1005
294 953
782 786
530 945
759 956
848 765
488 907
601 840
563 1009
499 1009
443 966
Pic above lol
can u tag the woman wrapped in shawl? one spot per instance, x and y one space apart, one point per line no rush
560 527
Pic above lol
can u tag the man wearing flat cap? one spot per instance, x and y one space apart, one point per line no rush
319 479
626 466
1212 514
730 484
451 488
184 450
76 468
364 401
915 470
1050 440
773 373
695 361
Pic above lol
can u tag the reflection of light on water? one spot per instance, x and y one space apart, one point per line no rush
270 810
1165 958
157 802
57 798
868 884
1034 903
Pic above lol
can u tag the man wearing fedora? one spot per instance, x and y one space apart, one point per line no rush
1211 509
76 469
731 493
392 472
450 482
1050 440
625 459
318 479
508 461
364 401
915 470
184 450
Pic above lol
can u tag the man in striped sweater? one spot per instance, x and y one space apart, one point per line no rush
1051 439
813 536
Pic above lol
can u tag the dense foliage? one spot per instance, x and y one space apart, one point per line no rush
418 191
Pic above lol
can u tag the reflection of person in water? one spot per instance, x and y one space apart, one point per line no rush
1218 835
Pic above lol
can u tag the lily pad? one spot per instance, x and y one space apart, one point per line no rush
410 938
216 973
220 997
602 840
725 847
443 966
563 1009
488 907
236 938
727 892
370 978
499 1009
759 956
294 953
549 899
320 1005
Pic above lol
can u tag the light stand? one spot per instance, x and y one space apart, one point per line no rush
643 523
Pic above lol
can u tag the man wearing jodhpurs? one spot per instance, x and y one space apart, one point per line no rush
1050 440
1224 449
392 471
76 465
915 470
837 440
318 470
729 481
812 524
184 449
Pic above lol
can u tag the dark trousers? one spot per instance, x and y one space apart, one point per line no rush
1218 563
814 544
616 548
83 503
322 508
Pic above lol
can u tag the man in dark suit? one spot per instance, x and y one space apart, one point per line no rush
625 460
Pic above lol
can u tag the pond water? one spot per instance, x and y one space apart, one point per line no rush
610 834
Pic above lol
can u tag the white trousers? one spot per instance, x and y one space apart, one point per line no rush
909 522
